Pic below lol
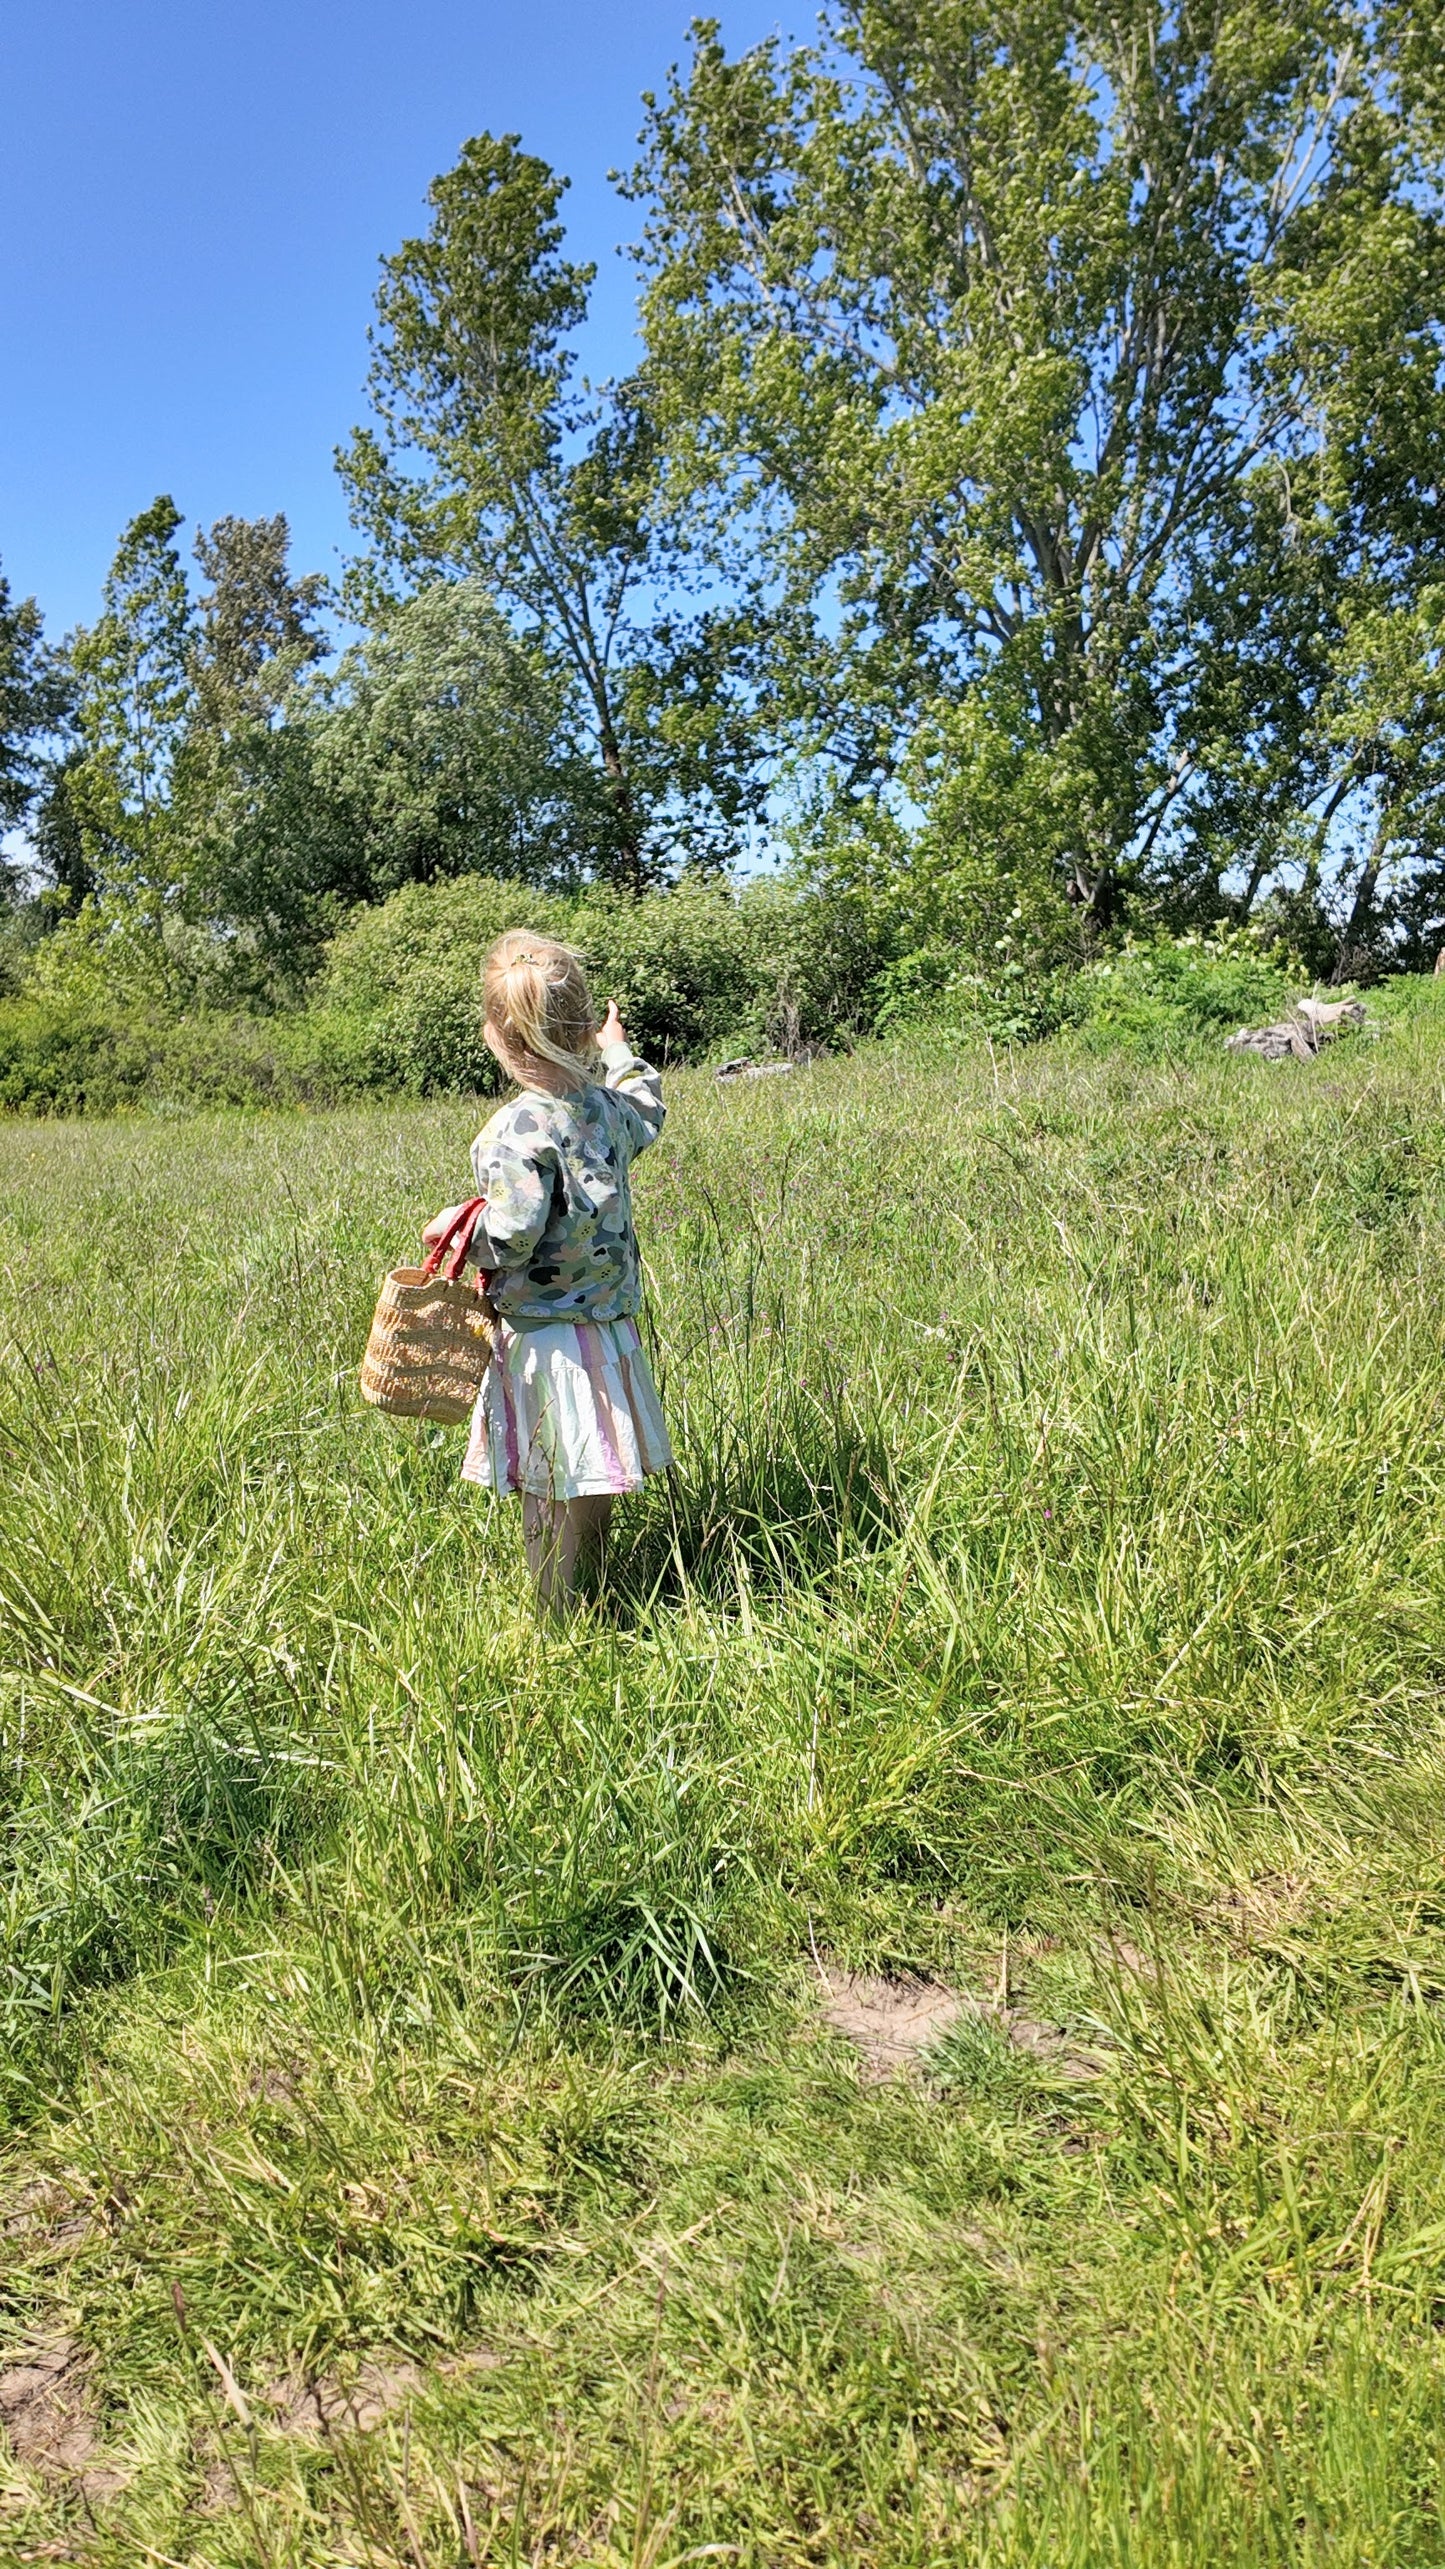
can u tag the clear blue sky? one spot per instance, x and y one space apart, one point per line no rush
193 200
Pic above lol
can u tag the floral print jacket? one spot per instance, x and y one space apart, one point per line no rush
557 1227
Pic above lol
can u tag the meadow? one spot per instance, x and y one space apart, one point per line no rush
429 2132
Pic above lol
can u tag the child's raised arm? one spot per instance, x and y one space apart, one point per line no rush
631 1078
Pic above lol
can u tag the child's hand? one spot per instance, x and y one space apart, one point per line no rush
611 1030
439 1225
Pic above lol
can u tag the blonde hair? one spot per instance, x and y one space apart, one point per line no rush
536 995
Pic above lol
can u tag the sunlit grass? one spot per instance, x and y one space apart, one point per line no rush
1049 1596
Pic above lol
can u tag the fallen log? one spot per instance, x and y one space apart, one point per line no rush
1310 1025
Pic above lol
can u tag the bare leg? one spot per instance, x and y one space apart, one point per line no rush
561 1536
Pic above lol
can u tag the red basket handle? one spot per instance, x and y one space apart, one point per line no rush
460 1229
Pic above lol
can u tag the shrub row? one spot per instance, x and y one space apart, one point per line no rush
696 971
60 1059
397 1004
692 970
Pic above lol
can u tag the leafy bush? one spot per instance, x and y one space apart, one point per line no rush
692 969
930 987
1180 991
410 969
397 1005
56 1059
695 971
59 1059
1148 998
698 968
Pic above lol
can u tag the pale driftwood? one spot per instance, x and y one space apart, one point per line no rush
1310 1024
1336 1015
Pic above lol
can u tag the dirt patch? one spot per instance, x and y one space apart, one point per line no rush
1053 2046
1118 1957
47 2409
327 2405
477 2359
353 2402
890 2022
1259 1913
45 2217
36 2207
275 2082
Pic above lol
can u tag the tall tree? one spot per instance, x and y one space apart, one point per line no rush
255 625
59 834
34 700
134 697
486 460
255 846
980 320
436 743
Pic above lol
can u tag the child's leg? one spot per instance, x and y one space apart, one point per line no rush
562 1535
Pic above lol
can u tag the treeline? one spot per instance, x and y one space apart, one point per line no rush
1026 513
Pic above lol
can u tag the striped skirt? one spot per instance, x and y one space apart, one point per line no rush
567 1412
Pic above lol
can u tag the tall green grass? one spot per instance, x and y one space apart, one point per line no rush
1048 1597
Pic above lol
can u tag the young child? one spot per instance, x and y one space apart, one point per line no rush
568 1415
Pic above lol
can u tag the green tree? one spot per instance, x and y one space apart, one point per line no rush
486 461
440 742
1366 313
255 849
59 835
983 321
34 702
255 626
134 698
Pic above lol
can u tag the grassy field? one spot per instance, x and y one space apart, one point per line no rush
429 2134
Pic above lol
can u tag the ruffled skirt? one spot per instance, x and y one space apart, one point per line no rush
567 1412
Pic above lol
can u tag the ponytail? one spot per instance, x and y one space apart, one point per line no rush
536 996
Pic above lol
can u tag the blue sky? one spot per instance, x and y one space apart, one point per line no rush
193 201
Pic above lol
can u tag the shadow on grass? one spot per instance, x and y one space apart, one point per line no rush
771 1499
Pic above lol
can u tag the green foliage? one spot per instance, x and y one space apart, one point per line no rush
57 1060
411 967
931 988
1154 998
483 461
133 697
1078 385
63 1055
440 744
1027 508
260 863
255 625
108 1013
692 970
389 1984
34 699
697 969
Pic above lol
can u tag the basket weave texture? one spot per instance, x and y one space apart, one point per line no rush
432 1337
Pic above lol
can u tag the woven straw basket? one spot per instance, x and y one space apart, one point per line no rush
432 1335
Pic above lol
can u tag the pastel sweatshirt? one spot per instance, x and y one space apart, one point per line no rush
557 1229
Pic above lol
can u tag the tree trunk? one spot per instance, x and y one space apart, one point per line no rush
629 836
1361 907
1098 902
